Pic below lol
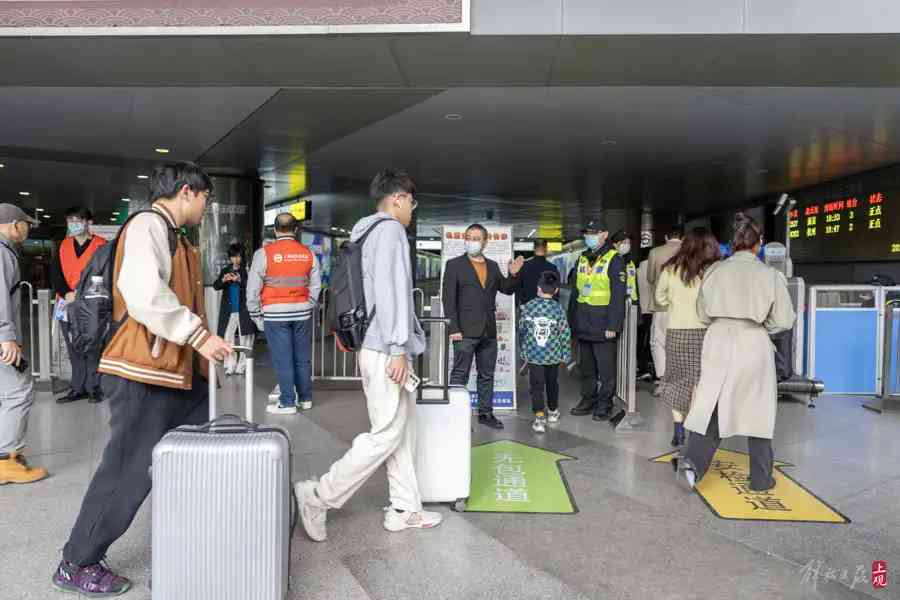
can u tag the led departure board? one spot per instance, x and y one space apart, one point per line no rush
862 227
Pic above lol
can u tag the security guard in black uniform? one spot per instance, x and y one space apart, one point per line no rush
596 313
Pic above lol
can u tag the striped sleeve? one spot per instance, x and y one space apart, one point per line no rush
199 337
143 282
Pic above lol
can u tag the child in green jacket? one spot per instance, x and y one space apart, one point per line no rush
546 344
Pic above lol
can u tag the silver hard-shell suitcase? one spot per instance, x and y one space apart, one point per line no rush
222 508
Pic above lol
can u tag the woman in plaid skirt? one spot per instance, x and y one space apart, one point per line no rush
677 289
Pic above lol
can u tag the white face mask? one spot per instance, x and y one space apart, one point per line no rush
624 248
473 248
77 228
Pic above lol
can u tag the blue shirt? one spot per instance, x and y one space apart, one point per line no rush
234 297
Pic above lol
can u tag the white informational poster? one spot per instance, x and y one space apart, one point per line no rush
499 249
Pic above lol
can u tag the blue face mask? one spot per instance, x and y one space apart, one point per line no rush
592 241
473 248
76 229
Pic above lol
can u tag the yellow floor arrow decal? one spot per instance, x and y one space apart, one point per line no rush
726 490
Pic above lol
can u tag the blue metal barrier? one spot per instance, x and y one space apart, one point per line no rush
845 338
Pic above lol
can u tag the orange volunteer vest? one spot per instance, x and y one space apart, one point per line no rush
288 265
72 265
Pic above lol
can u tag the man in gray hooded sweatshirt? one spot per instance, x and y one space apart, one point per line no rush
394 336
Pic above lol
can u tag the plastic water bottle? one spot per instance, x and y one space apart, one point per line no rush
97 289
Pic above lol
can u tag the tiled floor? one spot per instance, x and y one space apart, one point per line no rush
637 535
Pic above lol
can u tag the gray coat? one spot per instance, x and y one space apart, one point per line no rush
744 301
10 297
388 285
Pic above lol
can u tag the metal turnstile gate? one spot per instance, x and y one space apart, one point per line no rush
626 380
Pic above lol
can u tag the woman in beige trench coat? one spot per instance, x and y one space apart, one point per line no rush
744 301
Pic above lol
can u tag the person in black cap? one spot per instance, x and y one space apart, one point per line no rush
596 312
15 376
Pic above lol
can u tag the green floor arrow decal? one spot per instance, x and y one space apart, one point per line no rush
512 477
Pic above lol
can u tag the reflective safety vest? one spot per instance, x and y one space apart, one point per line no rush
631 281
288 265
593 281
71 264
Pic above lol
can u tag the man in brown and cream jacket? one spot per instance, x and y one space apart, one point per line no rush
154 369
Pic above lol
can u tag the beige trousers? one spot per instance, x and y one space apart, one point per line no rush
391 440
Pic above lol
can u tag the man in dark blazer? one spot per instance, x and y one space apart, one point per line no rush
469 290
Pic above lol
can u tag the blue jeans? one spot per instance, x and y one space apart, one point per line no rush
290 344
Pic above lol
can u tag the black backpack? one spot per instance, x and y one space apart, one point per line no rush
90 317
345 313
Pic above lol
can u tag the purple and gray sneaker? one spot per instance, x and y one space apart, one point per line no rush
93 581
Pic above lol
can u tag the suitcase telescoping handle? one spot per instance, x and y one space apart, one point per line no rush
445 364
248 382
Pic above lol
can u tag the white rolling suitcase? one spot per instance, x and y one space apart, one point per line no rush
222 508
443 437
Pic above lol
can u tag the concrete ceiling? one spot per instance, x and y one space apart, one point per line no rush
453 60
86 146
553 128
279 137
555 155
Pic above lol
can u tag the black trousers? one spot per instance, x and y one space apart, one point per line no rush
541 377
644 356
85 379
597 361
702 447
484 351
139 416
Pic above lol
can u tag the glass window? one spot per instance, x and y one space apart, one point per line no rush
861 298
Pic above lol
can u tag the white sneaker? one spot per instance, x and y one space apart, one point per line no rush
305 405
553 416
685 473
398 521
312 511
277 409
539 424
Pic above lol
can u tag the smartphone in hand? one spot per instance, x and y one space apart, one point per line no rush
412 382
